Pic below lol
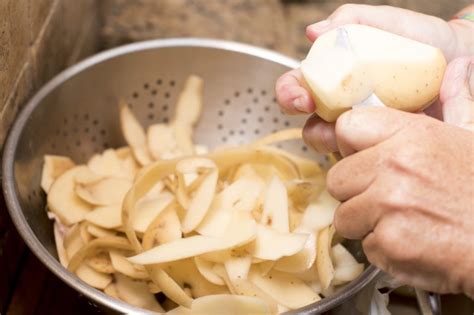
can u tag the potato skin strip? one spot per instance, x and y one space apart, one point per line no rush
240 229
114 242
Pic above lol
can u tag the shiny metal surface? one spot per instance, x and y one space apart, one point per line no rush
75 114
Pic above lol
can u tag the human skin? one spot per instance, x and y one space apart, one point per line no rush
406 183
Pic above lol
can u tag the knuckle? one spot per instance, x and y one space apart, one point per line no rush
391 240
344 10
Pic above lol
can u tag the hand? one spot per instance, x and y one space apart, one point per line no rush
408 192
453 38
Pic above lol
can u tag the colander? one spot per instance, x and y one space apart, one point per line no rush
76 114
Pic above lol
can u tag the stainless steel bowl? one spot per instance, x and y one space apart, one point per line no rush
75 114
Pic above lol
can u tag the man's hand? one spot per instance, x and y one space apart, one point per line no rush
407 190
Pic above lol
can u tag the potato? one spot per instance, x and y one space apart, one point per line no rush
348 64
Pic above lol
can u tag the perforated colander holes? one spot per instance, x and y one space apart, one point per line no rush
36 197
154 95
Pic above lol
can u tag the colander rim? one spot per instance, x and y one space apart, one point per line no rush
10 147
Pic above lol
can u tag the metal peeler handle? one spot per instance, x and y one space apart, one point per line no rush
429 303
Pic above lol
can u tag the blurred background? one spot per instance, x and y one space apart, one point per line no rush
39 38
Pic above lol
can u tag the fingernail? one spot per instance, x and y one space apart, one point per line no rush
298 104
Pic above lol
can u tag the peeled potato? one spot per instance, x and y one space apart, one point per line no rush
53 167
346 65
63 201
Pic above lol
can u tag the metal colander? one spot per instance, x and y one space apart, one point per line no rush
76 114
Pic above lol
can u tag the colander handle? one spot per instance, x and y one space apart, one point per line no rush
429 303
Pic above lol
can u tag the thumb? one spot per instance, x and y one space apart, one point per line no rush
457 93
364 127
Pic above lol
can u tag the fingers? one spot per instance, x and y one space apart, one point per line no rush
353 175
292 97
364 127
417 26
357 217
457 93
320 135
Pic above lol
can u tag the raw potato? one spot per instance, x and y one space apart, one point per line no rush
54 166
346 65
63 201
242 227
